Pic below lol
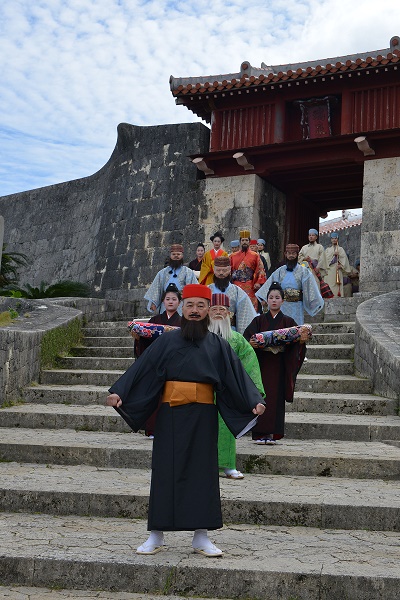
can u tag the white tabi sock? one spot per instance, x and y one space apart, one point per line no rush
202 544
153 544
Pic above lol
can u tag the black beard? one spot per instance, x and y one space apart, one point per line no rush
221 283
244 248
290 264
194 331
175 264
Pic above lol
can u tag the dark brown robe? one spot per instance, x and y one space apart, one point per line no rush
279 372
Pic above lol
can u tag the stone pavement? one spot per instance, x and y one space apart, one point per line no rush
76 550
317 516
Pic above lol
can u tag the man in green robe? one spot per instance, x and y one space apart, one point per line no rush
220 324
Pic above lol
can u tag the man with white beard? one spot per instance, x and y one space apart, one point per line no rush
241 307
220 323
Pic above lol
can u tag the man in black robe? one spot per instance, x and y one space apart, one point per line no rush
187 368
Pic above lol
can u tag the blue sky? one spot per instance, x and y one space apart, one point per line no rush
72 70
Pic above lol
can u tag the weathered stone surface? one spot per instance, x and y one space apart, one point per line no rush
114 228
259 561
279 500
307 499
21 341
349 239
1 235
377 347
380 238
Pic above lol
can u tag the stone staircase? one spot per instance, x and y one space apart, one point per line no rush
316 517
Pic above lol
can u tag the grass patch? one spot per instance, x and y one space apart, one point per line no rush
10 403
5 318
58 341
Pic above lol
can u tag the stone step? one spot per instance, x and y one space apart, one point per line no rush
346 384
103 351
122 342
259 561
119 329
95 362
61 394
308 426
127 341
341 403
331 351
298 425
330 458
318 366
68 377
357 404
18 592
325 338
339 327
92 417
256 500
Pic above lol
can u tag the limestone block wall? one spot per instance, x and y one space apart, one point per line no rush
21 343
245 202
377 345
114 228
349 239
380 233
1 235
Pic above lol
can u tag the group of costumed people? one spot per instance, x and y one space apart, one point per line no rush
330 267
203 381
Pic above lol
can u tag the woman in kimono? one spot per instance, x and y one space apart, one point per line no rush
279 366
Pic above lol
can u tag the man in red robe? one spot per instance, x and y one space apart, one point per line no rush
247 269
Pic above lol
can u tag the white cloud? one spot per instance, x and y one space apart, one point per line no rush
74 69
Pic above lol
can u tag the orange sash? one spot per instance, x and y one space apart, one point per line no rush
177 393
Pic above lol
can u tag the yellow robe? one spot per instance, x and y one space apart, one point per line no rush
330 277
316 252
207 266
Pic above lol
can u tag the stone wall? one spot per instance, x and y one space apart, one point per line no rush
21 343
246 202
113 229
349 239
380 237
1 235
377 345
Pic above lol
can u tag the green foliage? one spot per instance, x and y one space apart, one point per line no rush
5 318
60 289
10 261
11 403
57 341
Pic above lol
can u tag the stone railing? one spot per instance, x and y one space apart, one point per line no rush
377 343
43 329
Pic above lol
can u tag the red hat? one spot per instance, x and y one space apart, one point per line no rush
220 300
253 242
196 290
293 247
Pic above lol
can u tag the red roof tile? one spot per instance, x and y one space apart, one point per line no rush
251 76
339 224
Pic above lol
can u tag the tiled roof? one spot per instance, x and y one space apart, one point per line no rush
268 75
340 223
